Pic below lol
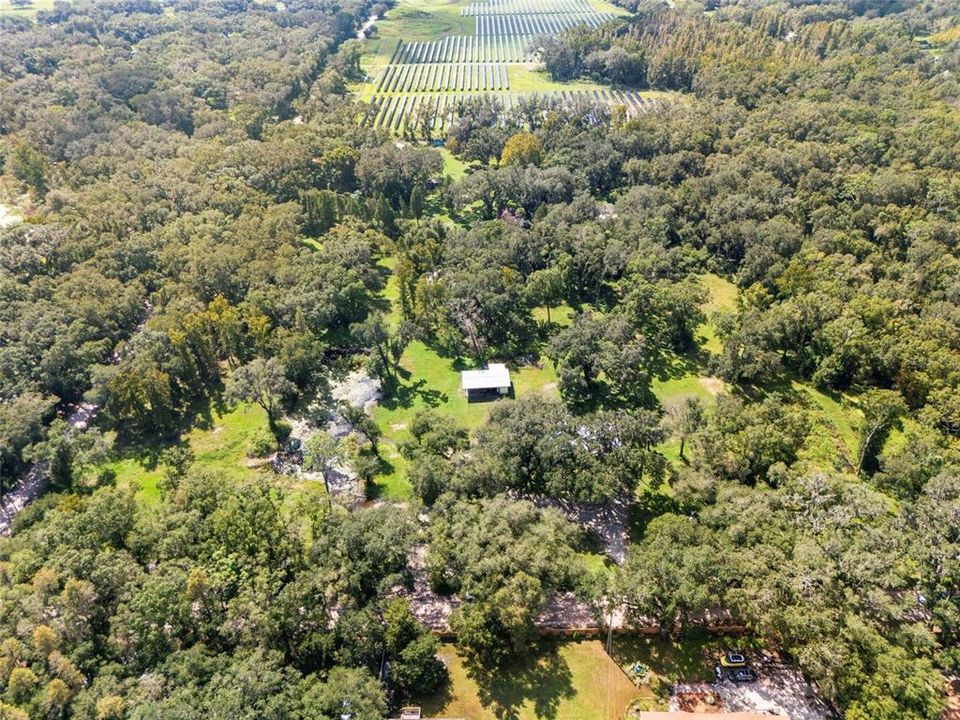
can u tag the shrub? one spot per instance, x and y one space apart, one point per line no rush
262 443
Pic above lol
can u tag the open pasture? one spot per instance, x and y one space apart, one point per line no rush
27 9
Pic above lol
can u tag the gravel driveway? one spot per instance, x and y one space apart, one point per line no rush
779 690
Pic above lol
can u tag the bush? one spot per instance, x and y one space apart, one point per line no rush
263 443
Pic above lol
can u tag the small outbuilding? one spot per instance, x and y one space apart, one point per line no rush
491 382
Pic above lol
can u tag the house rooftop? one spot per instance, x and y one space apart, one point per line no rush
493 376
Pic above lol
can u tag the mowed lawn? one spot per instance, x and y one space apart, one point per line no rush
687 376
219 446
602 6
833 437
430 381
421 20
433 382
561 681
29 10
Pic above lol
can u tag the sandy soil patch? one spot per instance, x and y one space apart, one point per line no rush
8 216
712 385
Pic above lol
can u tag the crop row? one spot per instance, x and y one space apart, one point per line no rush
466 48
443 77
437 111
540 24
526 7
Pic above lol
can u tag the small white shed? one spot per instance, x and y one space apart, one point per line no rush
492 381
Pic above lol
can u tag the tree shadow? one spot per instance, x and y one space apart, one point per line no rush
673 366
381 304
397 395
149 451
444 694
315 403
372 489
687 660
647 507
460 364
543 678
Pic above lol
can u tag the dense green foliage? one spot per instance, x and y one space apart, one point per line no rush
221 602
207 222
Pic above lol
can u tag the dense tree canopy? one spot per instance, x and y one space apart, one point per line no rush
206 221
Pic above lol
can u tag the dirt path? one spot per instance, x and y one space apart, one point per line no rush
34 481
607 520
362 33
8 216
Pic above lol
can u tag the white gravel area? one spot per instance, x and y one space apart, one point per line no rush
779 690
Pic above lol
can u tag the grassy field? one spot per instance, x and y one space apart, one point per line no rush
219 445
561 681
431 381
601 6
452 165
575 680
30 10
529 78
833 438
687 376
722 301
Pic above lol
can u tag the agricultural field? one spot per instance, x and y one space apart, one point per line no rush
422 64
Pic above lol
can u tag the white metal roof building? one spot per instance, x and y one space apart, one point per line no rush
491 381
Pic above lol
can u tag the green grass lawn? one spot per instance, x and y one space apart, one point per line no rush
687 376
453 166
722 300
431 381
576 680
532 78
602 6
420 20
140 475
561 681
833 437
30 10
219 446
529 78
